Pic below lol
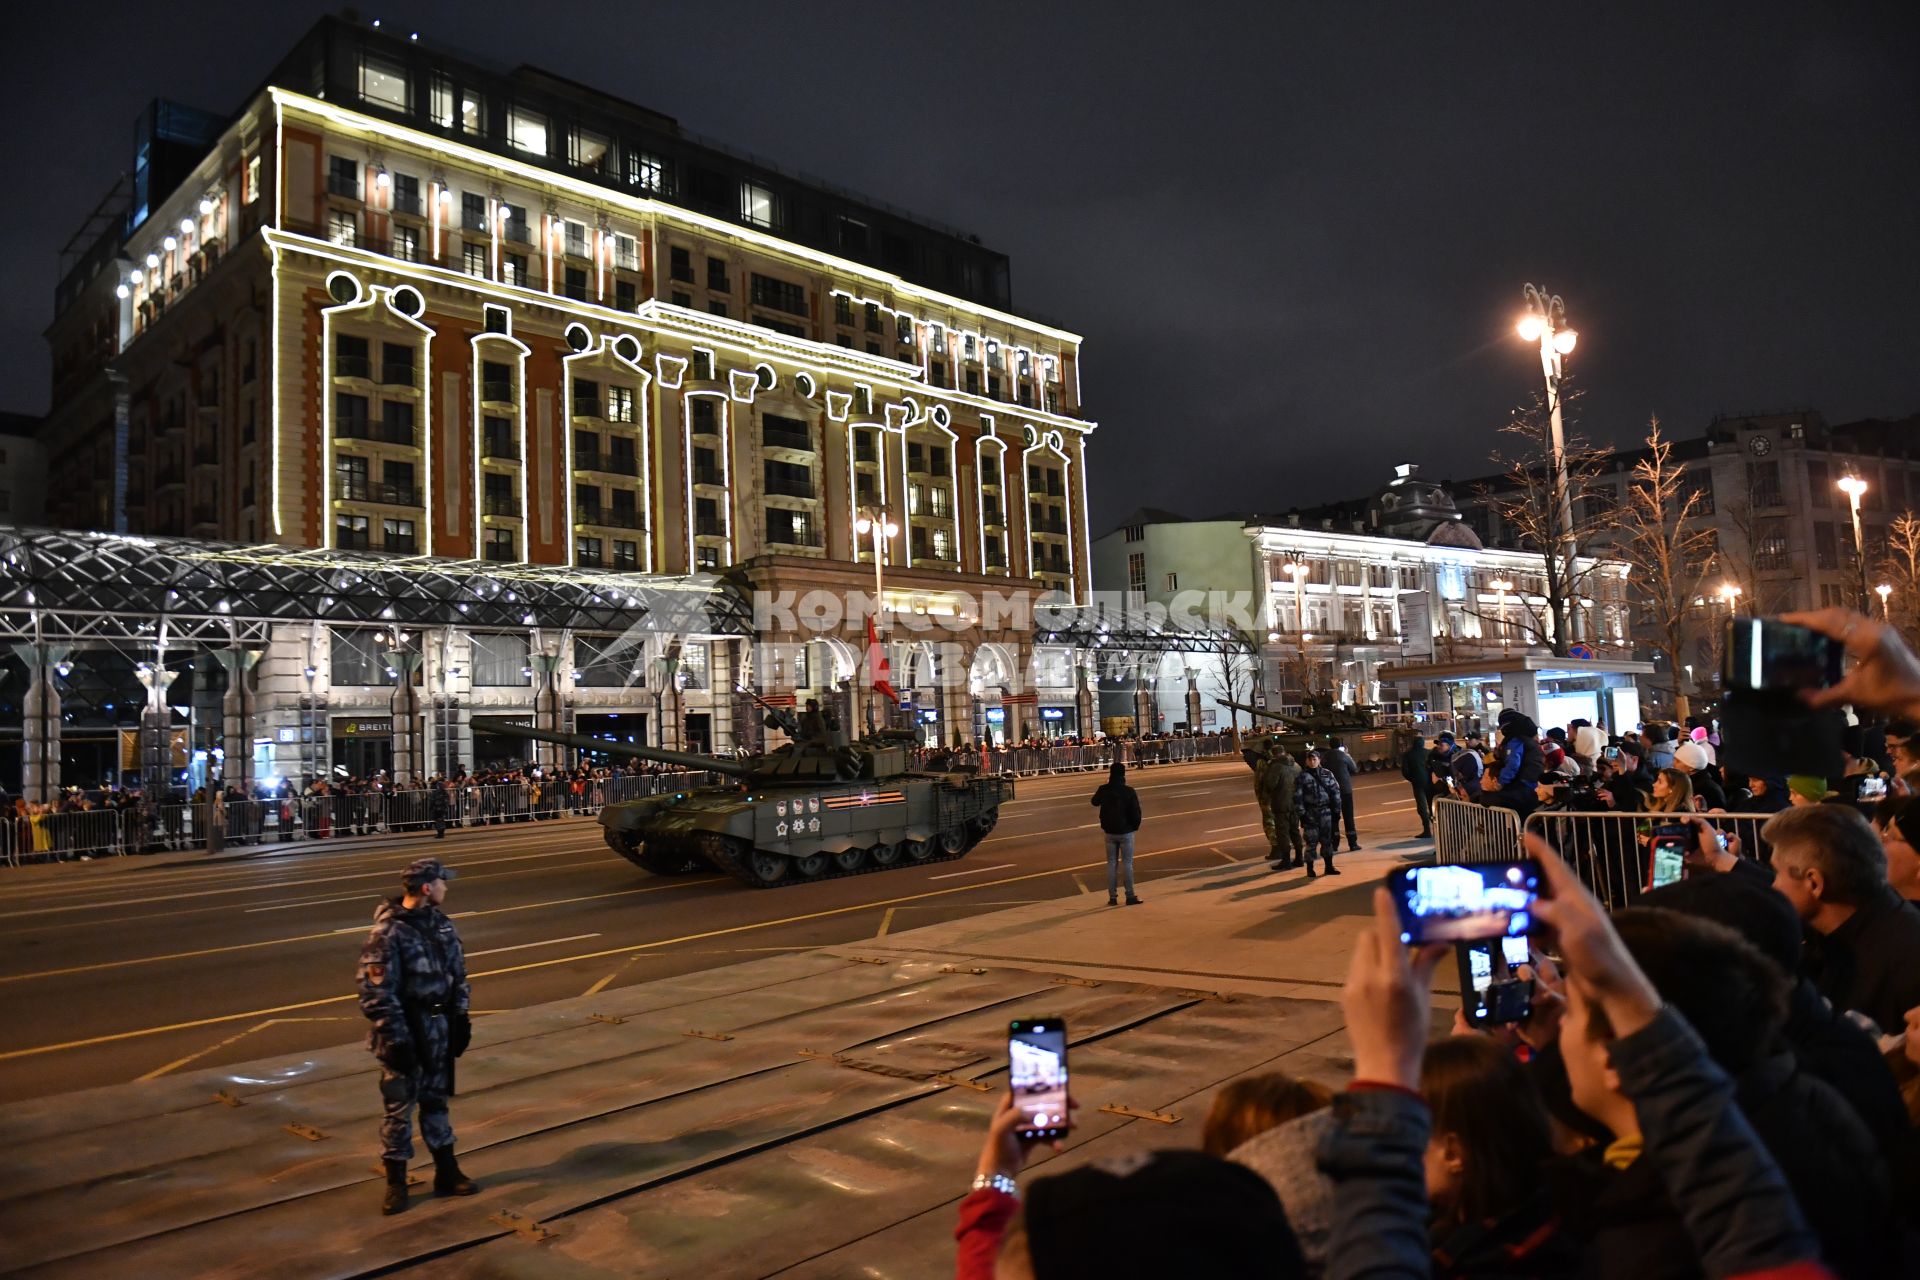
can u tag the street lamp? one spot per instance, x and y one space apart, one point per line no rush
1854 487
1545 323
1884 590
1730 594
1503 586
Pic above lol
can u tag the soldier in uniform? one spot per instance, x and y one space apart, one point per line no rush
1316 793
413 989
1276 806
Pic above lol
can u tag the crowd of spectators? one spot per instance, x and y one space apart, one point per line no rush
1722 1079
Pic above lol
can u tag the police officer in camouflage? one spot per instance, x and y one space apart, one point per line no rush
1316 793
413 989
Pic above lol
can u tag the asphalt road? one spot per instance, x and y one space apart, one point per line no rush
144 970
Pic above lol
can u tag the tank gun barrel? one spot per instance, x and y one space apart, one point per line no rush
1261 712
582 742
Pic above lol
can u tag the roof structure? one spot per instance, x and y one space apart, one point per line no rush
1101 629
66 585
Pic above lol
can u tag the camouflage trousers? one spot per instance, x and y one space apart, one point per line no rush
428 1087
1283 830
1321 829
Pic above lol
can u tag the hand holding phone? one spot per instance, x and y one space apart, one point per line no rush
1493 991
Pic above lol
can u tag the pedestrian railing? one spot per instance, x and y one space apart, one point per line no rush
1469 833
150 828
1611 852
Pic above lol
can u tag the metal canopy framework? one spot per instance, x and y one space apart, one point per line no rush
1099 629
60 585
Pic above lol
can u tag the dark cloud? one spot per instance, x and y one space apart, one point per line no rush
1294 235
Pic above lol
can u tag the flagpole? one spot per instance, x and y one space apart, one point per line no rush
876 521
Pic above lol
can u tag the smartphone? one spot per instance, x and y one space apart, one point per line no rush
1465 903
1667 861
1037 1074
1489 987
1611 753
1873 788
1768 655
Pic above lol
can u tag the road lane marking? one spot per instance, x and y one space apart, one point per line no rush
1082 883
1223 853
550 942
177 1063
1238 826
886 922
631 951
601 985
974 871
334 933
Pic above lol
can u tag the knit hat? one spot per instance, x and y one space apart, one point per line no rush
1692 755
1285 1156
1209 1216
1700 733
1809 787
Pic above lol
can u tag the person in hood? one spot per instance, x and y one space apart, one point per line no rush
1518 763
1119 806
413 991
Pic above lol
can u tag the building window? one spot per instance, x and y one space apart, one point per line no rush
499 661
717 276
626 555
586 150
1826 553
398 536
716 308
527 130
496 319
351 357
251 192
843 310
626 252
680 264
625 296
473 260
473 212
513 269
383 82
573 237
646 172
1137 573
1173 582
440 102
575 284
942 544
587 556
778 295
496 381
1819 487
1763 484
586 398
343 228
680 298
473 113
873 317
702 372
1770 544
406 244
356 654
619 404
396 364
758 205
903 329
1136 533
499 545
343 177
973 382
406 194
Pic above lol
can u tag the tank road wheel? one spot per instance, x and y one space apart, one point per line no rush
980 828
850 860
884 854
766 868
953 842
811 867
918 850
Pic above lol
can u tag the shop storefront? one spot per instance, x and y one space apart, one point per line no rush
362 745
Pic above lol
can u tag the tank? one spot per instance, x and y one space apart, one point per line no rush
1372 745
810 810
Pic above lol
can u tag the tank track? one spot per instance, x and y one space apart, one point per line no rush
730 856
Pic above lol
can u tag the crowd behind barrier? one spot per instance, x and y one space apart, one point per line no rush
138 827
1611 852
1089 757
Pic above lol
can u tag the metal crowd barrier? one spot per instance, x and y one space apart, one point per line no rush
1609 851
1468 833
144 828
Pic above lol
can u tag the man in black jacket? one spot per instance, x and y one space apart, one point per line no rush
1417 768
1119 806
1338 763
1864 952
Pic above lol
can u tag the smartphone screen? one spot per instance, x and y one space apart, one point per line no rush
1465 904
1037 1074
1667 863
1490 988
1767 654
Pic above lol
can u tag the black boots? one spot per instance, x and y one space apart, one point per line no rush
395 1198
447 1178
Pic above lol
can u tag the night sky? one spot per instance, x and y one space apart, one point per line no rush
1294 235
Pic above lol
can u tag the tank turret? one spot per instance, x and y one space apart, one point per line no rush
808 810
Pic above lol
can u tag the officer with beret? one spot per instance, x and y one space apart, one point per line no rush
413 990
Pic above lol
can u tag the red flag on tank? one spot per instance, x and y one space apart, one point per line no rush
879 670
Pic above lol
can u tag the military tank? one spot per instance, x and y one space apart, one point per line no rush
809 810
1371 744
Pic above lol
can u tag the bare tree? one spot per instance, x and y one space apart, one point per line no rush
1668 557
1900 569
1236 663
1527 503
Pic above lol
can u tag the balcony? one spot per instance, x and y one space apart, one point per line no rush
496 504
496 391
604 519
378 432
709 527
498 552
1048 524
789 487
354 489
344 185
990 514
351 540
774 438
393 374
708 475
353 367
499 449
793 538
